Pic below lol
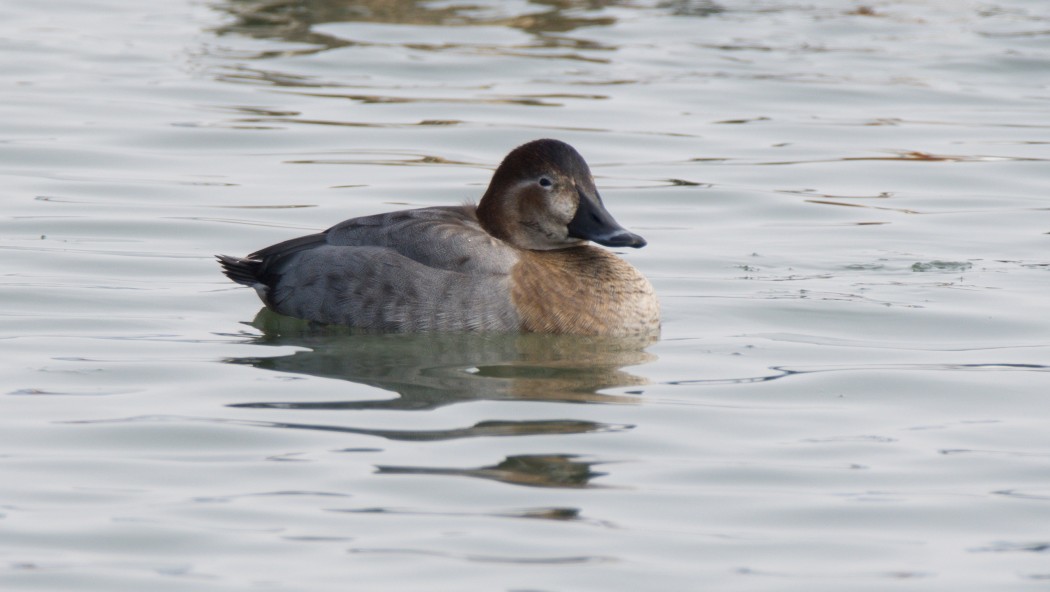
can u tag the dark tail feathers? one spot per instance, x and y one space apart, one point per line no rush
242 271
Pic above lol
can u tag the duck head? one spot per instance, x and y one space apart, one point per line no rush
543 197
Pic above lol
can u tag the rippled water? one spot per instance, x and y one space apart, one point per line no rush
847 213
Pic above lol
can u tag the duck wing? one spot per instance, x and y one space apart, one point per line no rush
414 270
441 237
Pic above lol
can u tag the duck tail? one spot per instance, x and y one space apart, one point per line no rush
242 271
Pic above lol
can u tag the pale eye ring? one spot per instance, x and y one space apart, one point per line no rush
545 182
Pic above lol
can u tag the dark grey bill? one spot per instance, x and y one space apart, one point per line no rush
594 223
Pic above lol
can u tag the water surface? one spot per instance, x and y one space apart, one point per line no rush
847 213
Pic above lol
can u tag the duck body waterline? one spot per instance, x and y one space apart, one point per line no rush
519 261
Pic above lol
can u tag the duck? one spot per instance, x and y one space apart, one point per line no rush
521 260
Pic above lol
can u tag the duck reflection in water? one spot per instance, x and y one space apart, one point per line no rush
431 370
533 470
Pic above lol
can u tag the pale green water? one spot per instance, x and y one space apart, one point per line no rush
848 216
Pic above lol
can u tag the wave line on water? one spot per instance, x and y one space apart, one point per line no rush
475 558
784 372
490 428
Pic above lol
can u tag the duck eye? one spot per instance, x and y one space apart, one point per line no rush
545 182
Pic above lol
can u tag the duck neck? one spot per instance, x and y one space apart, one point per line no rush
489 217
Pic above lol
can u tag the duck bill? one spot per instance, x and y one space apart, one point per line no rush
594 223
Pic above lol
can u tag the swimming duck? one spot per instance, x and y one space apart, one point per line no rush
518 261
